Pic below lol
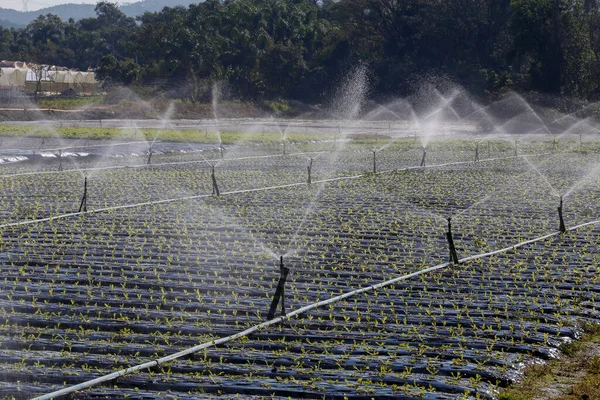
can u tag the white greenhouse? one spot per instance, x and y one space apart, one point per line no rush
46 78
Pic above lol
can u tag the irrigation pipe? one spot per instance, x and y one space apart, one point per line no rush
200 196
280 319
146 165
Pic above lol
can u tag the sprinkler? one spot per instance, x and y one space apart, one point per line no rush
221 149
477 152
279 292
149 155
453 255
423 159
310 161
516 148
554 144
60 167
580 140
561 227
215 187
375 163
83 205
283 142
489 147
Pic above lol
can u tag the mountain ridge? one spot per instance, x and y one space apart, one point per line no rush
20 19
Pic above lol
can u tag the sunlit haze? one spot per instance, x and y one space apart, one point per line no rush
33 5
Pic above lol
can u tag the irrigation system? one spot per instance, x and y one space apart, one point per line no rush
296 313
288 233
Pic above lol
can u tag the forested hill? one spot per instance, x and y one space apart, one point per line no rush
20 19
300 49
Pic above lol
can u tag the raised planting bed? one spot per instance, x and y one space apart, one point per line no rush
94 293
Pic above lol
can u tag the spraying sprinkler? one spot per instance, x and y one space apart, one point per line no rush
561 227
453 255
284 150
554 144
60 167
489 147
423 159
374 162
279 292
221 149
477 152
215 187
310 162
516 148
149 155
83 205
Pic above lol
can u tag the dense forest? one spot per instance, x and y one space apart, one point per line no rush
299 49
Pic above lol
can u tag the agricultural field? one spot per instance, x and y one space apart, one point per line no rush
161 261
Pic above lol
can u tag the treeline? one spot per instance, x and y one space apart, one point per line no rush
299 49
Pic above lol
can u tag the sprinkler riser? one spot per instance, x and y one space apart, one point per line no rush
215 186
279 292
375 163
561 225
83 205
451 247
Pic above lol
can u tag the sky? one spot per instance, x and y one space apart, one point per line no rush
33 5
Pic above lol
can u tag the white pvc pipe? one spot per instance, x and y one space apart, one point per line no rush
146 165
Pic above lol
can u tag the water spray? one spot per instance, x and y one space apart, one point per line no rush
453 255
561 227
375 162
83 205
423 159
310 162
215 187
280 291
